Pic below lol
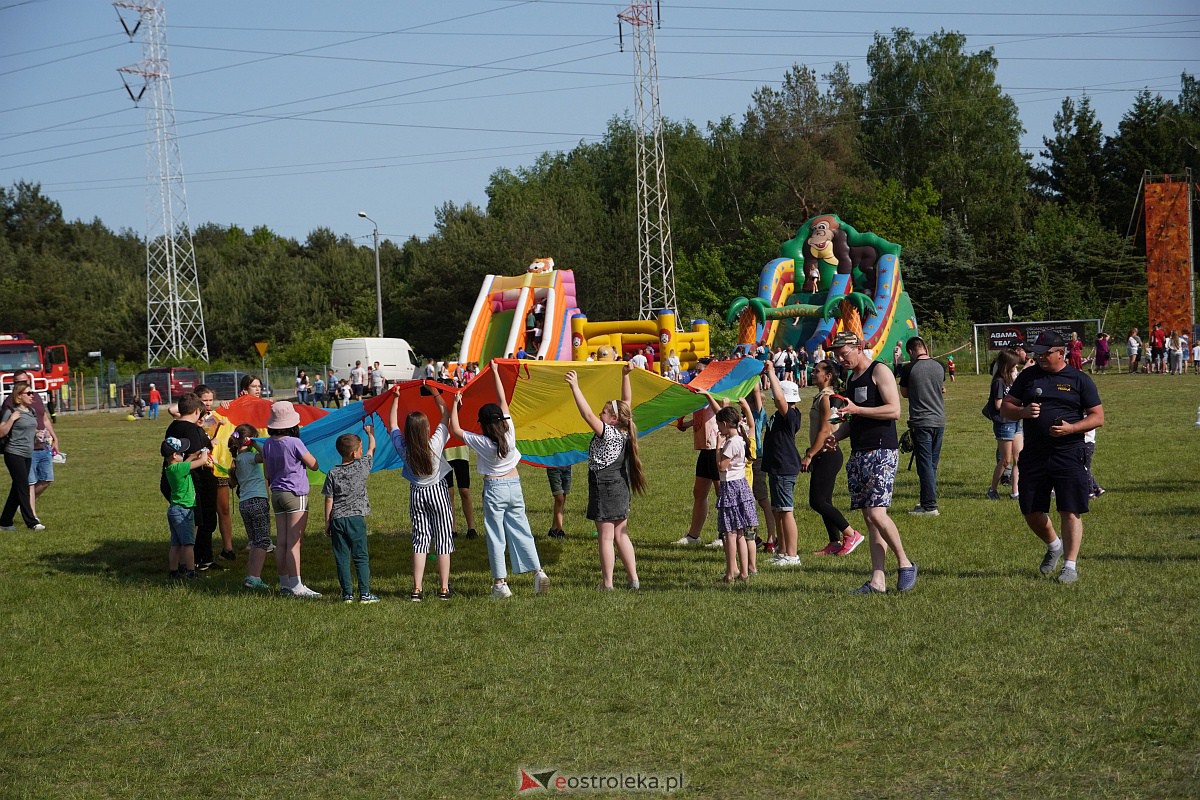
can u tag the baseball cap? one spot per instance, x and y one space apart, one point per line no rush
490 412
1047 340
846 339
172 445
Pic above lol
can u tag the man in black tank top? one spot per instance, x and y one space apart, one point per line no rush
873 407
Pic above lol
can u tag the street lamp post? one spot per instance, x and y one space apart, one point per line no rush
378 284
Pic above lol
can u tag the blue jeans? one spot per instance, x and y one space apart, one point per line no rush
927 446
182 522
506 525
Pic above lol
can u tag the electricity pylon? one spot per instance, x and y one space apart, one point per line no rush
174 313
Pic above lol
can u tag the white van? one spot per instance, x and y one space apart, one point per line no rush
397 360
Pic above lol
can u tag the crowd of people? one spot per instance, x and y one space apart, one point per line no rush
1163 352
1043 408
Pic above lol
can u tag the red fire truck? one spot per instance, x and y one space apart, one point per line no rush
19 352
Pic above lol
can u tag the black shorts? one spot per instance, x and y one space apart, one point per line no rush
1064 472
706 465
460 469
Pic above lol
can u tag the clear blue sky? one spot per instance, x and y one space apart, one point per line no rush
296 114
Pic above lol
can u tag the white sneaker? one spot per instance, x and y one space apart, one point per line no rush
684 540
14 527
541 582
716 544
304 591
38 527
500 591
787 561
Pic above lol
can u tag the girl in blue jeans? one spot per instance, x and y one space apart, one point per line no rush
504 518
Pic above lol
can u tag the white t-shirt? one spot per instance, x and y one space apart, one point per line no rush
639 361
735 450
358 376
1196 353
485 449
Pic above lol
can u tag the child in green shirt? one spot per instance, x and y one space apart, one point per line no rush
181 499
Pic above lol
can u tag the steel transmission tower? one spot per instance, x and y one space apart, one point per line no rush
174 314
656 261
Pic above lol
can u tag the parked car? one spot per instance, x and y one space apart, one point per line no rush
171 382
226 384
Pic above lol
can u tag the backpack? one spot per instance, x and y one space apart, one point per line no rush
988 409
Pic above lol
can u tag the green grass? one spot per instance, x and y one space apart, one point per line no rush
985 682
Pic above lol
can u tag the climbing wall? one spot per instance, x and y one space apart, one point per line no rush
1169 253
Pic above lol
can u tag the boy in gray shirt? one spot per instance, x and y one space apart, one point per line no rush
346 505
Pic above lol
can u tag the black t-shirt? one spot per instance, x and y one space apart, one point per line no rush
999 389
870 434
1065 395
780 454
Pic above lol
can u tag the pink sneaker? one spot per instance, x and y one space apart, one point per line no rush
831 549
851 542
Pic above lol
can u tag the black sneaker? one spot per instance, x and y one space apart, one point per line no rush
174 575
229 555
472 533
417 596
557 533
443 594
201 566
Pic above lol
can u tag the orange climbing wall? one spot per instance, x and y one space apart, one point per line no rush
1169 254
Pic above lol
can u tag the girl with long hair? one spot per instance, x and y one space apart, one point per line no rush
614 471
426 468
1004 373
504 520
823 464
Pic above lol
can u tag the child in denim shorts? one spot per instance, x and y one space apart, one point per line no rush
181 497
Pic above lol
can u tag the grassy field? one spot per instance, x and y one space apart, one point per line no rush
986 681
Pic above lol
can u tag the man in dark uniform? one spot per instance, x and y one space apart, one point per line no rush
1059 404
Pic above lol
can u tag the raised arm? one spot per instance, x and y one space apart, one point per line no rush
585 411
393 419
626 386
776 392
455 428
442 407
747 416
500 401
370 431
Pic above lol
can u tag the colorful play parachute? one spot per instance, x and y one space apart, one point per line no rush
247 409
550 431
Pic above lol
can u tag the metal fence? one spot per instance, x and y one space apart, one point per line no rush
90 393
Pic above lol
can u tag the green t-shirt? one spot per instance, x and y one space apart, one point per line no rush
179 479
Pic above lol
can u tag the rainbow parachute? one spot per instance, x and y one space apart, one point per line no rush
550 432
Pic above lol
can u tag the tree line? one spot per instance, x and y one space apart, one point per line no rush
926 152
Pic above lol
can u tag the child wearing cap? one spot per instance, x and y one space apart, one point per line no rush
181 503
781 462
504 519
284 460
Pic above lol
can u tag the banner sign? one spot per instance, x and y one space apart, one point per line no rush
1005 335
